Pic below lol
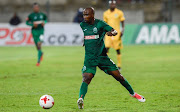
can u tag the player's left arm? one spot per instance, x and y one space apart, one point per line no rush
123 27
122 19
109 30
44 19
113 32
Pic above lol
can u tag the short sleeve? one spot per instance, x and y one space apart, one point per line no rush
29 21
81 25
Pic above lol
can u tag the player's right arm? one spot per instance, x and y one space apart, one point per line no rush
29 21
113 32
109 30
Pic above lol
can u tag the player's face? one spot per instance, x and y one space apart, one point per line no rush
88 15
112 4
36 8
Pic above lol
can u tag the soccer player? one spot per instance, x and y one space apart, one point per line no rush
114 17
37 20
95 55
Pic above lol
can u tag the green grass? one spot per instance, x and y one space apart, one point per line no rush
153 71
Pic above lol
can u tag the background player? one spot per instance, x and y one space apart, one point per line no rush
95 55
114 17
37 20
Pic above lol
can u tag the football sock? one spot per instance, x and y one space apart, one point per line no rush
39 55
127 86
83 90
119 60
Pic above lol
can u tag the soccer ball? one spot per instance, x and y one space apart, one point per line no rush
46 101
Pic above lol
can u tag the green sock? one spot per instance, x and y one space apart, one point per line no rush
83 90
39 55
128 87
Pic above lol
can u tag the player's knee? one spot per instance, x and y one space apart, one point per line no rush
87 78
118 51
121 78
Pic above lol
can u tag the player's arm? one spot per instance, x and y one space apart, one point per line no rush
109 30
44 19
123 27
28 21
113 32
122 19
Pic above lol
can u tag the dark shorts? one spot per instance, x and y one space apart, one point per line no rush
37 35
103 62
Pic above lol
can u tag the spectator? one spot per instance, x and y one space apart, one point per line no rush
15 20
79 16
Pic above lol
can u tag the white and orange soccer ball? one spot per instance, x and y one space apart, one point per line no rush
46 101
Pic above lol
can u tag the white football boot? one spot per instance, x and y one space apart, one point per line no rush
80 103
138 97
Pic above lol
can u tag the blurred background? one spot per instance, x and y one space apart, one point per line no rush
136 11
147 21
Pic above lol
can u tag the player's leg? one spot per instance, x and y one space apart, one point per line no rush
87 77
118 76
109 67
118 58
36 36
88 72
40 53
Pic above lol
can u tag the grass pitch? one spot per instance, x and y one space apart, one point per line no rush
153 71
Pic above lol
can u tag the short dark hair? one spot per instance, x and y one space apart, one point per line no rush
35 3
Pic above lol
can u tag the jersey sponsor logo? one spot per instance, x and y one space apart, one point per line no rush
95 30
91 37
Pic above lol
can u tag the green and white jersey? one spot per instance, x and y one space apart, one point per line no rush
94 38
38 18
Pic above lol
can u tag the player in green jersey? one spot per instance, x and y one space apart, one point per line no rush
95 55
37 20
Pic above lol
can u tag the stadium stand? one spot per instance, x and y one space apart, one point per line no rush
65 10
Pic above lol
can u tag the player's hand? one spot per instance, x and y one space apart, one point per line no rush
42 23
109 33
35 25
121 34
112 33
